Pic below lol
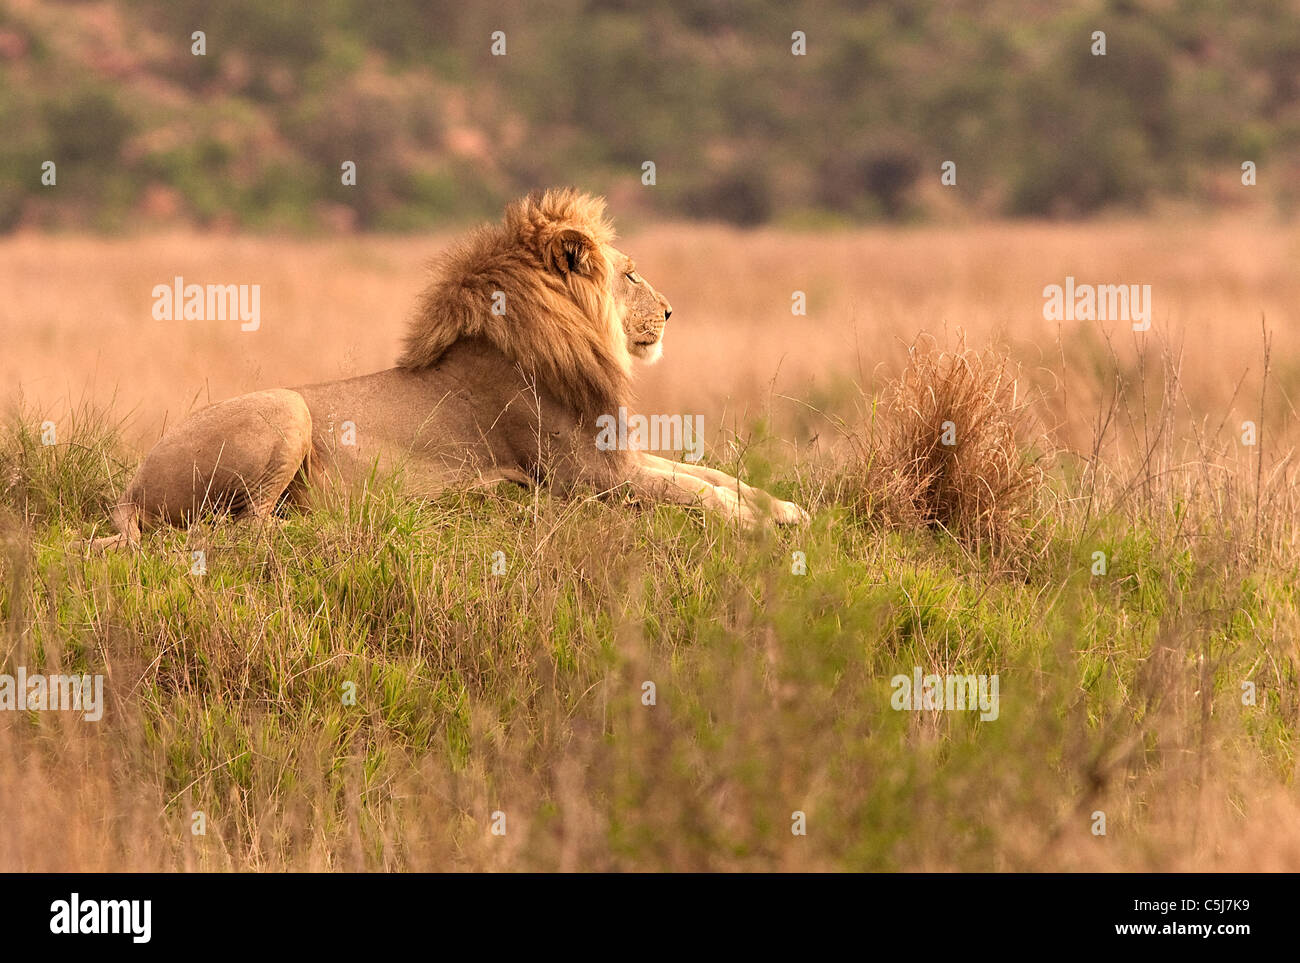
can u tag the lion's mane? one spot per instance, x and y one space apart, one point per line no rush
550 259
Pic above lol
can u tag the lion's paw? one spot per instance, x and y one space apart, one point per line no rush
788 513
735 507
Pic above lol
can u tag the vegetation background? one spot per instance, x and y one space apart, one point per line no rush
252 134
1121 690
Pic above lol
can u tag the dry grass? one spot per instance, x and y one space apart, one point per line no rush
1122 692
949 448
75 321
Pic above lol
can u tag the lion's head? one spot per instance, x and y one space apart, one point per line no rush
645 311
547 288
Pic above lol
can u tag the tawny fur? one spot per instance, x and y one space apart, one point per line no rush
477 397
550 258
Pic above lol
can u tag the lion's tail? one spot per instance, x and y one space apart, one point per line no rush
126 519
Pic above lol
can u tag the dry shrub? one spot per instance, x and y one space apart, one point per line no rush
948 447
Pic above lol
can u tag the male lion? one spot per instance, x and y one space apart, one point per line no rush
522 339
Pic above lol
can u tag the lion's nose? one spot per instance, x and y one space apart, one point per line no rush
668 311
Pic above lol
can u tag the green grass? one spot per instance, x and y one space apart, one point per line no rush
522 692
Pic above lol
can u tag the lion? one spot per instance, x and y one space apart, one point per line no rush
524 336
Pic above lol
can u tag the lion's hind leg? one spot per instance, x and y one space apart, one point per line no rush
237 456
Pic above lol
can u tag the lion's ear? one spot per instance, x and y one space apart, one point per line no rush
573 252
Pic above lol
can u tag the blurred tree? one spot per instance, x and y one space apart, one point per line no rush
740 128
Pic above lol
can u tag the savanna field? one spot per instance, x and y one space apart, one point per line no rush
1099 536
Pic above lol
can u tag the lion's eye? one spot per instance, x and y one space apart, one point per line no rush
631 276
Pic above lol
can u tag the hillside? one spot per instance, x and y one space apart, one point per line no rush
254 132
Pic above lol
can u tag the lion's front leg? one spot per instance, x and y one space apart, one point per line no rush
658 483
756 500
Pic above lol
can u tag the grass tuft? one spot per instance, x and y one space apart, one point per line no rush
948 447
67 470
